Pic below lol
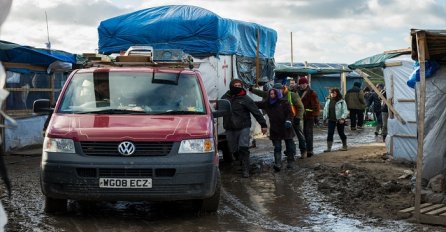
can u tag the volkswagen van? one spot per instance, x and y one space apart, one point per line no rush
131 131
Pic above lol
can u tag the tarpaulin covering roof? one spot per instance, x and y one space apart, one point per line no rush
312 68
195 30
15 53
375 61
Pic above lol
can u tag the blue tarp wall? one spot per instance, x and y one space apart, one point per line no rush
197 31
320 84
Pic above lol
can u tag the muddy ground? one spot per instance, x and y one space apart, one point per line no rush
356 190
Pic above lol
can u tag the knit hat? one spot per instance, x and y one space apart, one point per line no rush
278 86
303 80
357 84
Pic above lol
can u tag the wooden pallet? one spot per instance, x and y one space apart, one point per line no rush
429 213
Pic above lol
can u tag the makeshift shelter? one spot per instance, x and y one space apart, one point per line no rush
31 74
396 67
429 48
323 76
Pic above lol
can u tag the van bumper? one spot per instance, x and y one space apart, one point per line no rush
174 177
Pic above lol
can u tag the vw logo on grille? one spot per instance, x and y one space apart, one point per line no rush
126 148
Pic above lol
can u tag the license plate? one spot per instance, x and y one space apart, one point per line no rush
125 182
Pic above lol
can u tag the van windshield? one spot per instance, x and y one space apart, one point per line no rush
131 92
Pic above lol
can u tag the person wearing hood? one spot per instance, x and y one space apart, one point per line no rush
356 105
335 112
297 110
238 123
280 117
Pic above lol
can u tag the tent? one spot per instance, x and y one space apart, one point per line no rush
396 67
323 76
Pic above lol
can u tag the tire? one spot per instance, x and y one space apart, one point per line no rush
210 205
53 205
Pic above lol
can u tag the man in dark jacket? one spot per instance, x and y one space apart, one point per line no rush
238 123
312 109
374 105
384 114
356 105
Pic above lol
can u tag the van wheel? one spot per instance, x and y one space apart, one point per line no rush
227 155
53 205
210 205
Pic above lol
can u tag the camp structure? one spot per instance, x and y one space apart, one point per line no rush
429 50
31 74
322 76
395 67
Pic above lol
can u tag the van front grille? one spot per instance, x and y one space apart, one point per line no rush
111 148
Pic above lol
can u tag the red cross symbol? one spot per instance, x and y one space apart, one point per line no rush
225 66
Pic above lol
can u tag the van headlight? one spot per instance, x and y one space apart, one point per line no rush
58 145
197 146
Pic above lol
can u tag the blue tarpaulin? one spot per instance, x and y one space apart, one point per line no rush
195 30
15 53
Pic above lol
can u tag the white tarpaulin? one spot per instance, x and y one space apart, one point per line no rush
403 135
434 159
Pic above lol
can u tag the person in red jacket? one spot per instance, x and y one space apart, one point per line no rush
312 110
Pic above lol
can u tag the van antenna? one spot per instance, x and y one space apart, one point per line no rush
48 45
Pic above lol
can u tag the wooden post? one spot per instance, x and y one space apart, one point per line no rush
369 82
421 43
291 49
258 58
392 93
343 82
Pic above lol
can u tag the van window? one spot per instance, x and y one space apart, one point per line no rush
133 92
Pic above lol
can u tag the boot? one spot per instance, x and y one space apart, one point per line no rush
290 161
277 161
244 158
329 145
303 154
344 145
309 154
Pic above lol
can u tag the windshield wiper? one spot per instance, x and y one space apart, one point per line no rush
179 112
113 111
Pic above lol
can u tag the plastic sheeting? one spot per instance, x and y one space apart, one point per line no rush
11 52
434 160
404 148
195 30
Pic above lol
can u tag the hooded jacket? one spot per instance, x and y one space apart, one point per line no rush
278 112
242 106
355 99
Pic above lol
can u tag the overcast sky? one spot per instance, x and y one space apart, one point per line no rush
340 31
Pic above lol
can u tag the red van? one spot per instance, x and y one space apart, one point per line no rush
131 132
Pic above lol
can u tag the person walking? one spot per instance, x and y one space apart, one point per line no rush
312 109
374 105
384 114
297 110
280 117
356 105
335 112
238 123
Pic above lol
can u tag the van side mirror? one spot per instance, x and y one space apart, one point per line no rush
42 106
222 108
